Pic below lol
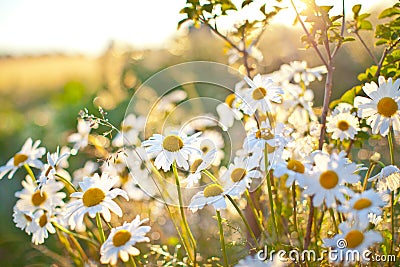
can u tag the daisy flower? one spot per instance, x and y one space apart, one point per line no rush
43 220
228 112
213 194
197 166
374 219
50 169
259 96
212 140
80 139
295 170
131 126
171 148
296 107
272 139
353 238
326 180
87 170
239 176
234 55
168 102
382 108
361 205
388 178
29 154
23 220
96 197
342 125
121 241
31 199
298 71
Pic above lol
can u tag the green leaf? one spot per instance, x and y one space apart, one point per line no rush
208 8
380 42
227 5
262 9
246 2
389 12
356 9
364 25
348 39
364 16
326 8
334 18
181 22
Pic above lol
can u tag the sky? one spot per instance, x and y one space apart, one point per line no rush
88 26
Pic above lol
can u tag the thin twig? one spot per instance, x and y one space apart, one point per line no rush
384 54
366 47
309 35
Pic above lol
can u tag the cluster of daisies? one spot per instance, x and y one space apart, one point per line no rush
43 207
281 144
282 140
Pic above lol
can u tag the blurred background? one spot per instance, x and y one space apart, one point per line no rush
58 57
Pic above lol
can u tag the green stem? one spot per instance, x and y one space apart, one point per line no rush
334 220
368 174
65 230
316 231
255 212
66 181
222 238
391 146
392 211
244 220
270 197
211 176
100 227
30 172
294 201
132 261
182 211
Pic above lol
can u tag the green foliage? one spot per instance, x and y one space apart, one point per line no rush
324 28
347 97
387 34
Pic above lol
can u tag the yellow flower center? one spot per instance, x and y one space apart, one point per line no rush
28 218
172 143
43 220
264 134
328 179
213 190
93 196
48 171
229 100
121 237
259 93
387 107
271 149
19 158
38 198
238 174
126 128
354 238
124 177
195 165
343 125
362 203
205 149
295 166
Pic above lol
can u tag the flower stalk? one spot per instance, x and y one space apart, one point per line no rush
222 238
